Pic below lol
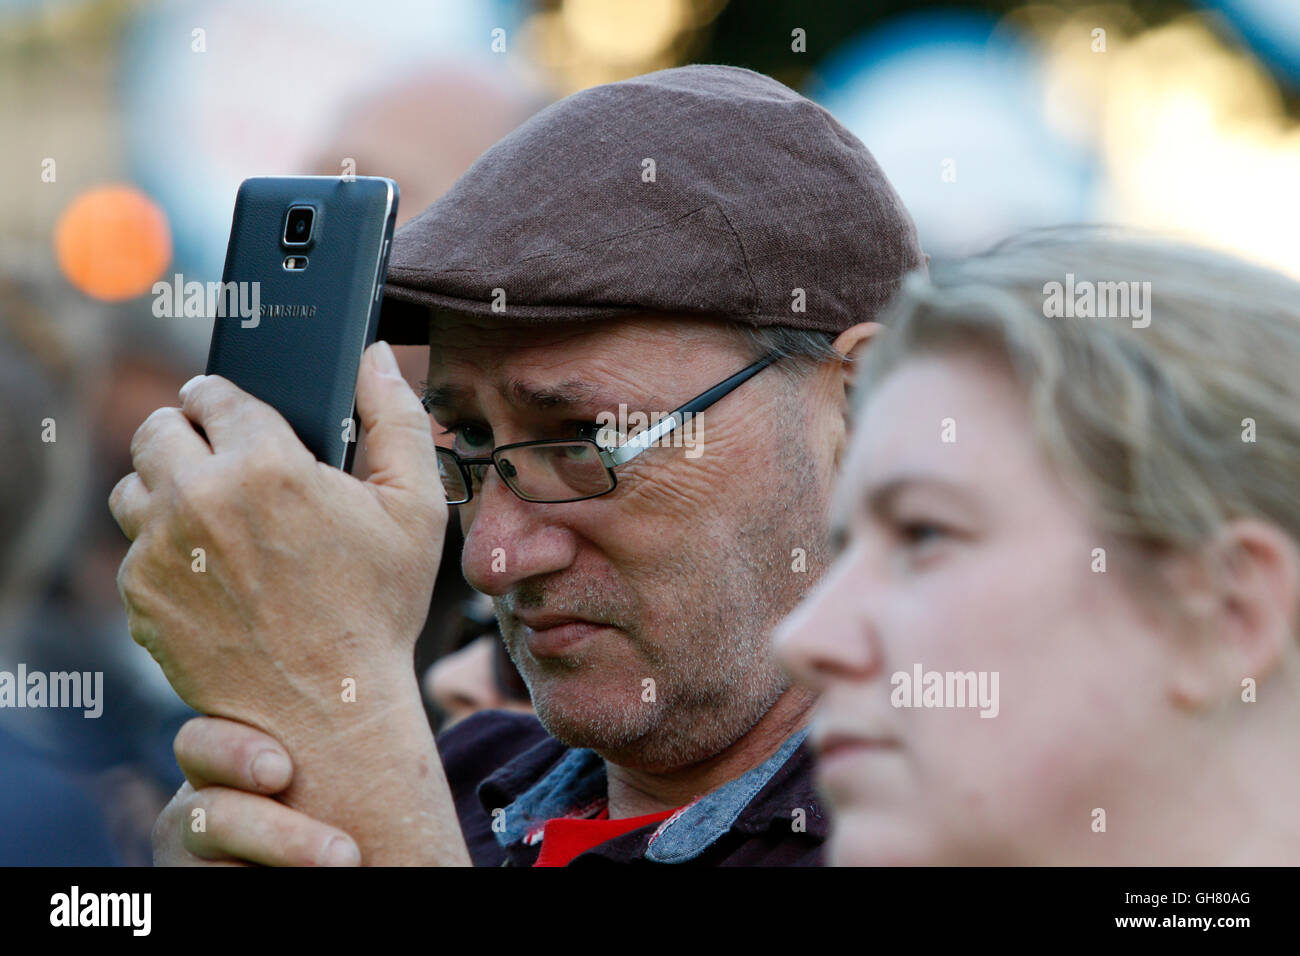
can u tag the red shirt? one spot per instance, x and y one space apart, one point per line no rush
565 837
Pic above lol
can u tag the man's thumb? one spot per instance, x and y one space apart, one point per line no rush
399 439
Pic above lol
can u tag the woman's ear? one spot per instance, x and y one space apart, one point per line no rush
1247 597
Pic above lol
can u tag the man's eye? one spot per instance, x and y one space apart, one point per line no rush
471 436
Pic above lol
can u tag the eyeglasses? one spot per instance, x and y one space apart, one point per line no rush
556 470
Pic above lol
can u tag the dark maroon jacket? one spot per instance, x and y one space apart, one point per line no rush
508 777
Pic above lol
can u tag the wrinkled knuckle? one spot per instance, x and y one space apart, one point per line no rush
146 431
217 395
265 464
119 489
128 579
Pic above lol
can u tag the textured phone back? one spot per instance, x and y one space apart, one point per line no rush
301 351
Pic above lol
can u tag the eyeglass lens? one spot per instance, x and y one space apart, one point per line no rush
546 472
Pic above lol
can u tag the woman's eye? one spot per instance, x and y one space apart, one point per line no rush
918 543
921 532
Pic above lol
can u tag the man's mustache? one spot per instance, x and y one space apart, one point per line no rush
536 597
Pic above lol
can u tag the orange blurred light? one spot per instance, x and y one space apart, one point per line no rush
112 243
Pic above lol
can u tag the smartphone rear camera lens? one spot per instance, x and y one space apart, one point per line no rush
298 224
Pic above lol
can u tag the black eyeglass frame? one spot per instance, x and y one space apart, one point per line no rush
612 457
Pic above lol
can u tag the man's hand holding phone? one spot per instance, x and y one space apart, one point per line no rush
280 592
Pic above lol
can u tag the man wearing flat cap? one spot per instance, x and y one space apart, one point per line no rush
697 252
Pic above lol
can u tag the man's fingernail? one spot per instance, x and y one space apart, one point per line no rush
385 360
186 386
342 852
270 770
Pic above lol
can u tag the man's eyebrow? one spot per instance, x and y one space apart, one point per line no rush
561 395
568 394
444 396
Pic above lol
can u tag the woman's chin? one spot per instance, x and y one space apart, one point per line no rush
859 842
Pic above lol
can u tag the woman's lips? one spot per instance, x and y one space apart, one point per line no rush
848 744
835 749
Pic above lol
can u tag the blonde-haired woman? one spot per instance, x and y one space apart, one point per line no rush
1063 622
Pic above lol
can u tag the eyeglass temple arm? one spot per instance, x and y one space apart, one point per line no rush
634 447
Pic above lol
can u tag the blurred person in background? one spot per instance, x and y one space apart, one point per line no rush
62 610
128 751
48 814
425 130
1113 530
477 674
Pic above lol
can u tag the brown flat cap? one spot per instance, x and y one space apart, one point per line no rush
704 189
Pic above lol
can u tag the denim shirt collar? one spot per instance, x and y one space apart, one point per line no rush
576 784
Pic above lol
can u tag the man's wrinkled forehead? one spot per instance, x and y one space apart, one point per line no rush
569 364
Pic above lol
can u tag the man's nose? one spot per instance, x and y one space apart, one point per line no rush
508 540
831 635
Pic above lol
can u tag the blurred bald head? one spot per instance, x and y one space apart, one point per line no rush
425 130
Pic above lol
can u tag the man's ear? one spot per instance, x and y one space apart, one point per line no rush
1248 600
852 343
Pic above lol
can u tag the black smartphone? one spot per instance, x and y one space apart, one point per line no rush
305 269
